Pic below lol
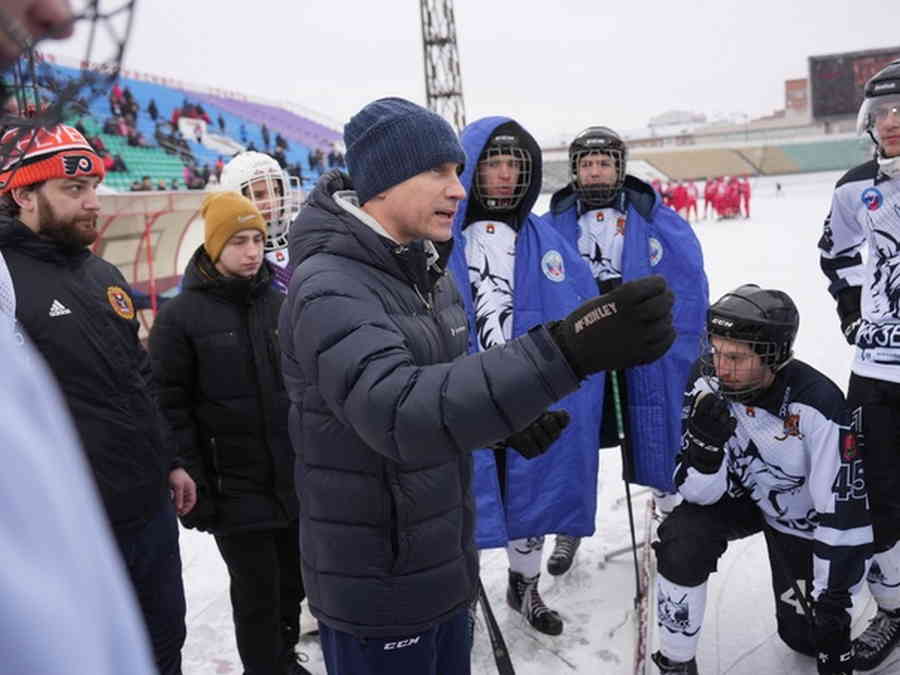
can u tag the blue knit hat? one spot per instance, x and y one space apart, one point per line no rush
393 139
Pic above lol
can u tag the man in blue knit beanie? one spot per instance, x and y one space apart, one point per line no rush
386 407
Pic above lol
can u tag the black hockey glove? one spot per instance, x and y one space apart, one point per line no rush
535 439
848 308
709 426
629 326
831 632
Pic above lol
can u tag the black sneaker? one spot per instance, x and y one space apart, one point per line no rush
674 667
563 554
522 595
877 640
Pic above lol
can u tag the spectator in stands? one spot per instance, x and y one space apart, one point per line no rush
136 186
316 159
296 170
136 139
108 162
109 126
214 396
174 185
265 135
280 157
119 163
161 184
221 121
152 110
251 147
202 114
115 107
281 142
45 235
127 95
115 93
122 128
81 130
217 169
146 183
243 134
96 143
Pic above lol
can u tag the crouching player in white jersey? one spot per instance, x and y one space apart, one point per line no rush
865 208
767 446
276 194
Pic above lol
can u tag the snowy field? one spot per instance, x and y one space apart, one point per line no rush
776 247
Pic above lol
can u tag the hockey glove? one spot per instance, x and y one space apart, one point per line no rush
709 426
848 302
629 326
535 439
831 632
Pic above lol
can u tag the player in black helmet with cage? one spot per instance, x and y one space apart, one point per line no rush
767 446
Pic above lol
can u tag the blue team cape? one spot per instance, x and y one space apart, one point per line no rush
556 492
657 241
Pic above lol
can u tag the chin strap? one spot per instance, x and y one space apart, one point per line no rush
889 166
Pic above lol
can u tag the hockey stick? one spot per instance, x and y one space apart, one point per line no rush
498 644
620 429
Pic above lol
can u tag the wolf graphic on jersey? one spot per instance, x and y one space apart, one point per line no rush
493 297
675 615
885 287
747 464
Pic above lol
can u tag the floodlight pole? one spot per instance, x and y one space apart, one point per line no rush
443 82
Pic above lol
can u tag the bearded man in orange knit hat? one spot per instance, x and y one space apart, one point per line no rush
78 312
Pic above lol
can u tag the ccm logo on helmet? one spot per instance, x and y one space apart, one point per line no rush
725 323
409 642
77 165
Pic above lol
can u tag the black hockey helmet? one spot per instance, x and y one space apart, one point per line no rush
765 319
882 94
600 141
506 148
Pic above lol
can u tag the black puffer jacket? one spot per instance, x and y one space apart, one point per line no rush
78 311
384 412
216 358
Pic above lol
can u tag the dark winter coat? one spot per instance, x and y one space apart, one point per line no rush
383 416
216 357
77 310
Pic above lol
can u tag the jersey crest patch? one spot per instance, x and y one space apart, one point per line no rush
620 227
120 301
849 448
872 198
656 251
553 267
791 428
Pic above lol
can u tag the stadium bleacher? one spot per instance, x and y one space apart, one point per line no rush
302 134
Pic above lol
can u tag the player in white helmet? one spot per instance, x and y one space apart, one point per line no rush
277 195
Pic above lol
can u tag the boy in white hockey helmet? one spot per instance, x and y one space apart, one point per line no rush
260 179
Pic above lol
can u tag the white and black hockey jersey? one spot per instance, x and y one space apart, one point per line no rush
795 455
601 240
865 209
491 257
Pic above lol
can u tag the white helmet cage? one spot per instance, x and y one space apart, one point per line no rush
283 203
510 195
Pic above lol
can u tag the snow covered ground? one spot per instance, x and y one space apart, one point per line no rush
776 247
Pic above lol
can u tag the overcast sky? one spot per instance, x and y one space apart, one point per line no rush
555 66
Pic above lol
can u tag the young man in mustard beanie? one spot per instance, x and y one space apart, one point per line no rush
216 357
